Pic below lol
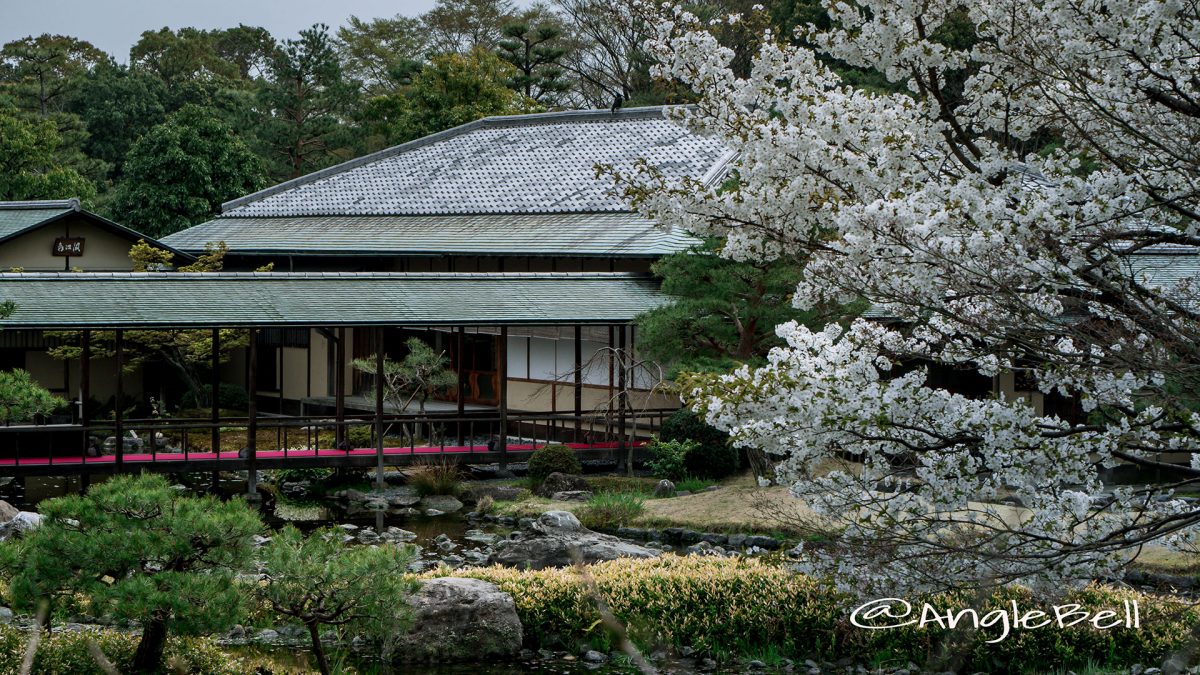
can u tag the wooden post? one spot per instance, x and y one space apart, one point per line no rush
502 367
459 345
578 381
85 383
379 408
252 414
622 388
118 409
214 404
339 387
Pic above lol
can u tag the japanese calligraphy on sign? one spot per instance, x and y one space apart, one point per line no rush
64 246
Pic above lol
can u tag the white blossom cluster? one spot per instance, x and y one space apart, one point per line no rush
988 209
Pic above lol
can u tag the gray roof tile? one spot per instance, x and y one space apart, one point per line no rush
579 234
272 299
541 163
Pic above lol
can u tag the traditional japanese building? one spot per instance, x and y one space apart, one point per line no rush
501 196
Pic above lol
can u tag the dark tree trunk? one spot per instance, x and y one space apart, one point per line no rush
318 648
150 650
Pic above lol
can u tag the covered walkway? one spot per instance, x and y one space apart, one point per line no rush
330 303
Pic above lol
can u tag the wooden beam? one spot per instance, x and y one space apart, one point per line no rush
622 386
502 368
339 387
379 375
119 408
460 356
252 414
578 381
85 381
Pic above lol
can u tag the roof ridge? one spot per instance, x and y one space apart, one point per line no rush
72 203
494 121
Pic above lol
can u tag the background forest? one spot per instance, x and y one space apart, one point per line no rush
194 117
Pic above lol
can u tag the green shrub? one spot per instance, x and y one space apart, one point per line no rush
610 510
636 485
748 606
668 457
714 457
436 478
550 459
232 397
361 436
66 653
689 484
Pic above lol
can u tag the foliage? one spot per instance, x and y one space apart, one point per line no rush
307 95
454 89
995 203
690 484
22 399
148 258
140 550
610 510
382 53
725 311
421 375
436 478
229 397
319 581
63 652
485 506
461 26
212 260
187 351
534 47
668 457
550 459
713 455
41 69
180 172
638 485
740 605
30 166
118 105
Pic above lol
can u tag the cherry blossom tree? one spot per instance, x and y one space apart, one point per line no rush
999 216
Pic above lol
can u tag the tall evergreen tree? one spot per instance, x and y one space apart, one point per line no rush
305 101
534 46
40 69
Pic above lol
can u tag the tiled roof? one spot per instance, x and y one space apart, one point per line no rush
274 299
581 234
542 163
17 217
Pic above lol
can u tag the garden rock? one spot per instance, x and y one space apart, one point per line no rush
434 512
395 535
572 496
480 537
593 656
556 539
401 501
23 521
443 503
7 511
561 482
6 615
461 620
665 488
499 493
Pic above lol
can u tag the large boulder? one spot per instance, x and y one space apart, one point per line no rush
443 503
461 620
7 511
20 523
562 482
557 539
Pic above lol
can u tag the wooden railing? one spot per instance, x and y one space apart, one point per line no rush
315 438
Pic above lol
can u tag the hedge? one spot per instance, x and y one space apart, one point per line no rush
66 653
728 606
